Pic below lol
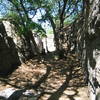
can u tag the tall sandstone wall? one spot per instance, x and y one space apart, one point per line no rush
85 33
88 46
18 40
93 48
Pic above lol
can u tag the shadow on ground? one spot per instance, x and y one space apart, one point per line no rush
53 79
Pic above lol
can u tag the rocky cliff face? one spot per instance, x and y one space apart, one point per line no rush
24 46
18 40
93 49
86 32
88 46
9 59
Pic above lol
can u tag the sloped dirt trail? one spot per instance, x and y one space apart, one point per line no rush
49 79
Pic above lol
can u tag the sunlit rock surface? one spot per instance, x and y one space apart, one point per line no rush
48 43
15 94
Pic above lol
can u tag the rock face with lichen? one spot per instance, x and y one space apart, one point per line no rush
9 59
93 48
87 38
88 46
19 40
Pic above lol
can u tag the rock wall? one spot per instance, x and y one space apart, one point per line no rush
93 48
86 32
14 48
88 46
9 59
19 40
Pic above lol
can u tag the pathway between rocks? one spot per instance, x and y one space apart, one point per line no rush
48 79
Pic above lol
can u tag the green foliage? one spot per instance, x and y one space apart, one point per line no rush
14 18
32 25
50 31
70 20
20 10
54 10
19 17
67 22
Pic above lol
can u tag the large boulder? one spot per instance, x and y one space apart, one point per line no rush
9 59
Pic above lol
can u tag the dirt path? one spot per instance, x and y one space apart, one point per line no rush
50 78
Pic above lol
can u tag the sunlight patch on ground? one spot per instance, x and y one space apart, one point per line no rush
80 93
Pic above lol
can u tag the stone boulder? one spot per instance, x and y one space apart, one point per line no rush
9 59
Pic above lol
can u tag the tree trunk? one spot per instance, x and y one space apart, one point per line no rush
62 14
56 38
34 43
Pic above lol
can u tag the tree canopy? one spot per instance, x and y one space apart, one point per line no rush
57 12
